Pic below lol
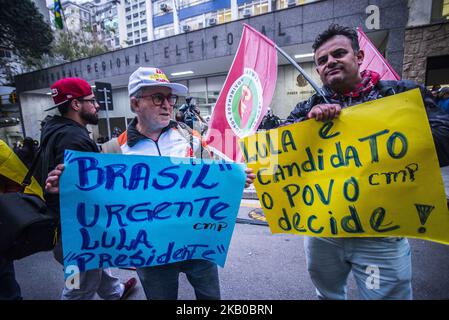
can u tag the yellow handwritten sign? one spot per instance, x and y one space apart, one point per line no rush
372 172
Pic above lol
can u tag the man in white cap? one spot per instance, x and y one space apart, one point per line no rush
153 132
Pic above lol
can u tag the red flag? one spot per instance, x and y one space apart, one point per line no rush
246 94
374 60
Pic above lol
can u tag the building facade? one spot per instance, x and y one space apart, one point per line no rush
77 17
123 23
426 50
201 58
92 21
107 17
157 19
10 127
42 7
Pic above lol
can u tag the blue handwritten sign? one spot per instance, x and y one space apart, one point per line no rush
125 210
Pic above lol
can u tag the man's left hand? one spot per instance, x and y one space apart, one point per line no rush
250 176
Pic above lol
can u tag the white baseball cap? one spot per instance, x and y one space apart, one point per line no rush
152 77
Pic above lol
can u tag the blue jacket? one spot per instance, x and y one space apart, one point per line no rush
444 104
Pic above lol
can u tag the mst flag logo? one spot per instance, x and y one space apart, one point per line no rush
245 96
244 103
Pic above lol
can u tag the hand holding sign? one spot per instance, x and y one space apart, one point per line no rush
353 177
324 112
52 182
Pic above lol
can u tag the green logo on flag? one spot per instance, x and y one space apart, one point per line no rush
244 103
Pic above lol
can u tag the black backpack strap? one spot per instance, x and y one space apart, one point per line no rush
27 180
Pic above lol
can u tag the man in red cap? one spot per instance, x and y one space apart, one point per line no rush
77 105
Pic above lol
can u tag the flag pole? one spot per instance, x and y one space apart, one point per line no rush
304 74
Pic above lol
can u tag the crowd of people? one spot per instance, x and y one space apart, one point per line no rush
441 96
26 150
153 131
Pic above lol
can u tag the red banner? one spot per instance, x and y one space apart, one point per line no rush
374 60
246 94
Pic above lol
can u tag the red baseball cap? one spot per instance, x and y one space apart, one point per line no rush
67 89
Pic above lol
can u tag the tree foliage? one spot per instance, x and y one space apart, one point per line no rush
72 47
23 29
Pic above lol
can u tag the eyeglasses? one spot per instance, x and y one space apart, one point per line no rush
93 100
158 99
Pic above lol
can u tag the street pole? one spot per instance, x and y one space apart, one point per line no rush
304 74
176 16
105 91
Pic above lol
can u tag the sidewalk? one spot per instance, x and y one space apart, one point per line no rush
250 208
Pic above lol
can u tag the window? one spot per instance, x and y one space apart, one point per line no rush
119 122
214 86
197 90
195 23
143 22
164 31
281 4
224 16
437 70
137 41
190 3
157 11
440 10
261 8
144 39
135 24
5 53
